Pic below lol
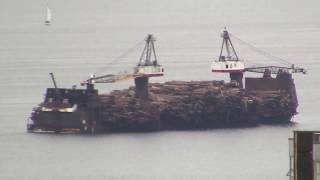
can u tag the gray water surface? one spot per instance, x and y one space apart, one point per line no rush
87 35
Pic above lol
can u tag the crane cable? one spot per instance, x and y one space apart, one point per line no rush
119 58
279 60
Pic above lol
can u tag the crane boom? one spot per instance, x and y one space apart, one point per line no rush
109 78
276 69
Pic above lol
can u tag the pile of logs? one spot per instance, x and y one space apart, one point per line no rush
193 105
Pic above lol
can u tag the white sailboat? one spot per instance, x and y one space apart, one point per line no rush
49 17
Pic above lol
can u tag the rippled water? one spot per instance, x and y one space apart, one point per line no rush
87 35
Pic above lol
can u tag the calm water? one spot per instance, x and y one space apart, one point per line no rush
87 35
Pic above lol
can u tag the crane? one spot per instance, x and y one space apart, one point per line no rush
228 62
147 66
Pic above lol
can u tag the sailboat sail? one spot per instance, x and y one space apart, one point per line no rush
49 16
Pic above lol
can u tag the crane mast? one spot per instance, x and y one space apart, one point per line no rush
231 54
147 66
148 56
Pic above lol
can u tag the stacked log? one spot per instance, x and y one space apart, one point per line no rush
193 105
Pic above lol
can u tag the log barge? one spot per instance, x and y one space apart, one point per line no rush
174 105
